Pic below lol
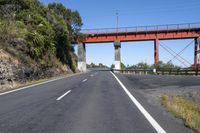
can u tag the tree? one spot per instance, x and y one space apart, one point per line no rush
47 32
67 26
112 66
168 65
143 65
123 66
71 18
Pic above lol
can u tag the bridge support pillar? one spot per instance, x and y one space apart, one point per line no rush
81 57
156 52
117 45
196 48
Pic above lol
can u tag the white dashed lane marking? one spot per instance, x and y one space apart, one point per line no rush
63 95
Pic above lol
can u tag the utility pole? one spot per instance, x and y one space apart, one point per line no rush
117 15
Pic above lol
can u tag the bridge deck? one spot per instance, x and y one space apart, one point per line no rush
143 33
144 29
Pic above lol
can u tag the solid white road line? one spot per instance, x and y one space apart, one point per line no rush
7 92
63 95
84 80
91 75
151 120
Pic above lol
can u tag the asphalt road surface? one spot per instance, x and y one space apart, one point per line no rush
94 102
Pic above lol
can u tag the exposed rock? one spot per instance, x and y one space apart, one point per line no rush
13 73
6 75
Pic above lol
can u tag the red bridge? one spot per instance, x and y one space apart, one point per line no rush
146 33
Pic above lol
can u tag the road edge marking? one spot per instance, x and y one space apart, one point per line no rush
33 85
59 98
151 120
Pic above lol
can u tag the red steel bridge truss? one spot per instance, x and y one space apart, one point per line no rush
150 33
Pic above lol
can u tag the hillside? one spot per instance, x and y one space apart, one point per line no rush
36 41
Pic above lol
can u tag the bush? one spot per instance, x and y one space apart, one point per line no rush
47 32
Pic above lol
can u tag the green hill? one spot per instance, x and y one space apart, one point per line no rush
39 37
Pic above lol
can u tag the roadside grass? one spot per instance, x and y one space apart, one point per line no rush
186 107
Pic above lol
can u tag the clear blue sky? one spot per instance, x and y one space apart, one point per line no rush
102 14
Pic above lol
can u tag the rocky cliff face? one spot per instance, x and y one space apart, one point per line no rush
6 71
13 73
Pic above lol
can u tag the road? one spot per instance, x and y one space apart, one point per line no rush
93 102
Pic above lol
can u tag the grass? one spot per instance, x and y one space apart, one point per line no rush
184 107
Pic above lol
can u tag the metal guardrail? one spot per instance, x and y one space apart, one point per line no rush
135 71
185 26
179 72
159 71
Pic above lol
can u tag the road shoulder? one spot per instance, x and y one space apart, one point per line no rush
35 83
150 99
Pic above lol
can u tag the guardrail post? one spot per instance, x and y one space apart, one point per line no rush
146 72
170 71
177 72
186 72
196 73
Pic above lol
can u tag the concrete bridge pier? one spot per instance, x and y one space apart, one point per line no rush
117 45
82 57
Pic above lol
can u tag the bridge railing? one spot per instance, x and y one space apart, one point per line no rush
186 26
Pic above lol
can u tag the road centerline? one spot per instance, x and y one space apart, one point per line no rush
151 120
59 98
84 80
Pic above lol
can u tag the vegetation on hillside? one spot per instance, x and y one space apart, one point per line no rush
39 35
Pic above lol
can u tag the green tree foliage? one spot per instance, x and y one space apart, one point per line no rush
168 65
100 65
112 66
140 65
72 18
48 31
67 34
161 65
123 66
